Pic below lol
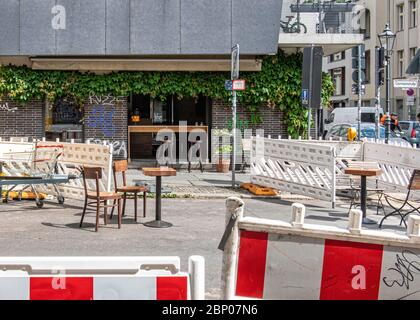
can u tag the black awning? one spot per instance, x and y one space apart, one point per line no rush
414 66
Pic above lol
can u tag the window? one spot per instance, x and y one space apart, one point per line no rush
366 27
400 17
413 52
367 73
400 63
337 56
339 81
413 13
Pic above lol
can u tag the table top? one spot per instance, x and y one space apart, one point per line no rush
159 172
368 172
157 128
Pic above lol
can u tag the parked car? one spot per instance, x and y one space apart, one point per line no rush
367 130
411 132
349 115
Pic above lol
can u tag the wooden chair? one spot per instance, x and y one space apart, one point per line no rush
121 167
413 205
99 197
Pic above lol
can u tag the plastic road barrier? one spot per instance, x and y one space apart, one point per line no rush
271 259
100 278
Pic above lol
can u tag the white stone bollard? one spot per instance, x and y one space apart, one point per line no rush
413 227
196 270
298 215
234 208
355 221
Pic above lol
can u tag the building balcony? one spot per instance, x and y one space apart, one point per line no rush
331 25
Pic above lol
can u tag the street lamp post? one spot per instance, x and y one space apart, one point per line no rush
387 41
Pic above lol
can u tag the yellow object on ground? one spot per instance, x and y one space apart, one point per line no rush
25 195
258 190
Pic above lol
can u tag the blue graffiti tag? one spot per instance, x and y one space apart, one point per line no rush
102 119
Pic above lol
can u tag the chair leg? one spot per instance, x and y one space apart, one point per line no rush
135 206
124 201
84 212
144 203
97 216
119 214
105 213
113 207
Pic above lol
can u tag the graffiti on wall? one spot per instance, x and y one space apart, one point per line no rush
119 147
107 100
6 107
102 114
103 119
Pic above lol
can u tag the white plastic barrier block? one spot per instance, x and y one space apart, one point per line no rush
99 278
272 259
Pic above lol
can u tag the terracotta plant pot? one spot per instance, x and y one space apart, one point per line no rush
222 165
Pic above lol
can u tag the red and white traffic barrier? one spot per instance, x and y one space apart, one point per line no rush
269 259
100 278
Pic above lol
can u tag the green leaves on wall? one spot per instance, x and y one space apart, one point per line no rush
277 85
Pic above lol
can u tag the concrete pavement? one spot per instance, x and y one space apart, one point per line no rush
198 228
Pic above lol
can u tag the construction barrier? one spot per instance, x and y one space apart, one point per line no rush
300 168
270 259
25 159
316 168
100 278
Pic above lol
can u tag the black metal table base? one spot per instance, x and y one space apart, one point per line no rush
363 197
158 224
368 221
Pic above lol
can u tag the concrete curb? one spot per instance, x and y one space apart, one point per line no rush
242 196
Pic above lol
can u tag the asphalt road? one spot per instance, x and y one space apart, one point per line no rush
198 226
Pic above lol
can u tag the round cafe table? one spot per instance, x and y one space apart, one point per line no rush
364 173
159 173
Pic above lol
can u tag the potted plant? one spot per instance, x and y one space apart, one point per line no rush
223 158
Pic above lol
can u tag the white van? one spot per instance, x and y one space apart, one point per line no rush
349 115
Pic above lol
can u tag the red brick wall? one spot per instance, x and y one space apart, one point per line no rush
272 119
26 121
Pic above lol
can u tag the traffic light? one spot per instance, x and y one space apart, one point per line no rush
379 66
356 57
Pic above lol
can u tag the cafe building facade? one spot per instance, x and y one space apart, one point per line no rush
106 36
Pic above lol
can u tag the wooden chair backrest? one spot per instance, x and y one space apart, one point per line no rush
120 166
415 180
92 173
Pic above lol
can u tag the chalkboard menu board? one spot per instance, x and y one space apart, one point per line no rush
66 111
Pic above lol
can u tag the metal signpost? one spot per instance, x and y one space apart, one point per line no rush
234 76
410 85
310 91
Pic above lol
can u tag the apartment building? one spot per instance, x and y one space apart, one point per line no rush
374 14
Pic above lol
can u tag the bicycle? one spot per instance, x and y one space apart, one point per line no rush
295 27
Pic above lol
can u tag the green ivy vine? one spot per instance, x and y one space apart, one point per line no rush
277 85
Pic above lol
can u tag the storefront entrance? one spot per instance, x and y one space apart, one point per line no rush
147 116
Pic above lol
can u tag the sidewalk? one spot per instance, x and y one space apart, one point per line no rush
206 185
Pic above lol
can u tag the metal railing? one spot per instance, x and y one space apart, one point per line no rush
319 16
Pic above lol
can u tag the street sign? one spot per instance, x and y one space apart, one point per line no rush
355 76
235 63
410 100
406 83
238 85
305 96
355 89
410 92
228 85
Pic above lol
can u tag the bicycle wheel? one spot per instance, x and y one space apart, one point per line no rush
298 27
